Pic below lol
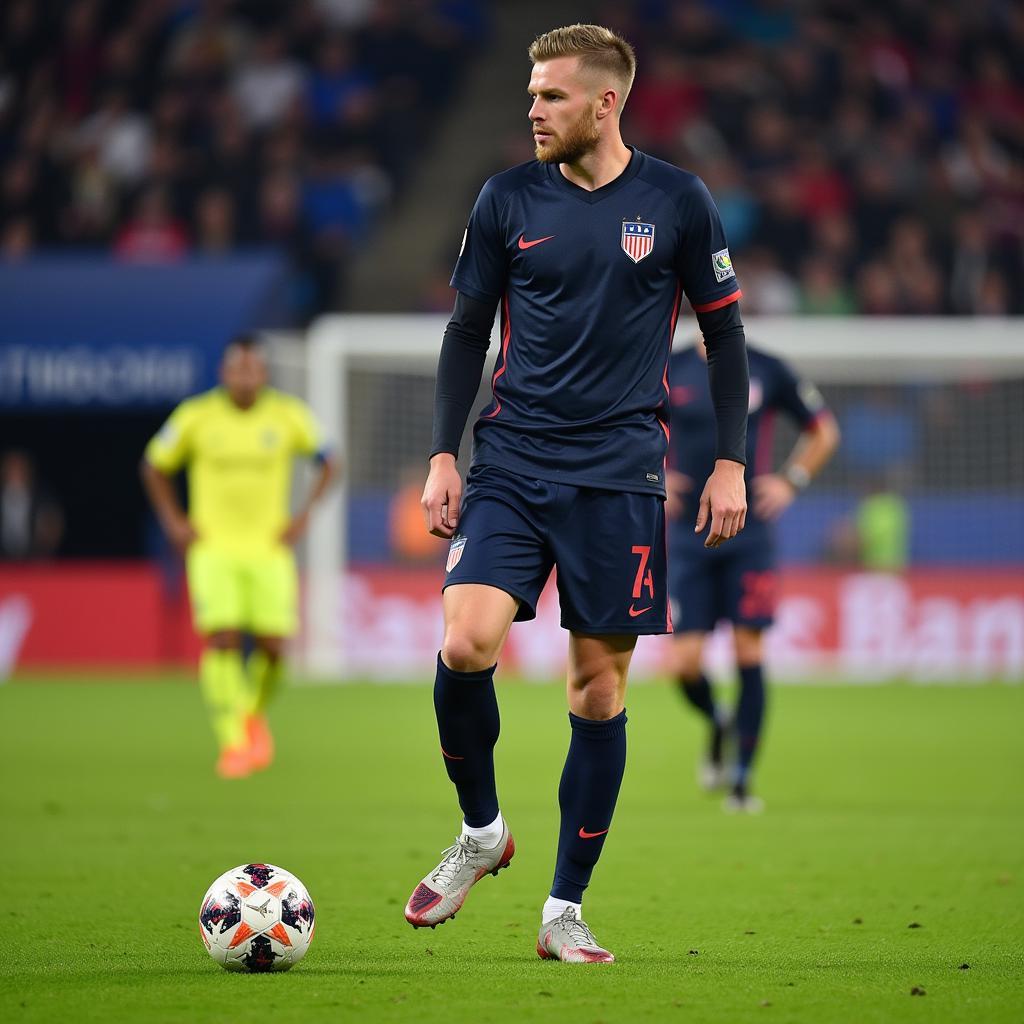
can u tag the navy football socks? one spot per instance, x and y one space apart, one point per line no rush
468 726
749 716
586 796
699 693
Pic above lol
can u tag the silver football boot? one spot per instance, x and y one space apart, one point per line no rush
568 939
743 803
712 775
442 892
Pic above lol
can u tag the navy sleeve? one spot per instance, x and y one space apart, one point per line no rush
463 351
482 268
702 262
728 378
800 399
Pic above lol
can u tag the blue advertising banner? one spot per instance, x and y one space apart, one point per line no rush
92 333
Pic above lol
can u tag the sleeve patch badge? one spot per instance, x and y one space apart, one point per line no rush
723 265
810 396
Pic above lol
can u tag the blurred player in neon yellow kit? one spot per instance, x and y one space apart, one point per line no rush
237 443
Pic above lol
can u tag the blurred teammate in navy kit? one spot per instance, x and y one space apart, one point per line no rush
587 251
737 583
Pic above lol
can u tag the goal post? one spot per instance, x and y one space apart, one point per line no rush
369 379
339 346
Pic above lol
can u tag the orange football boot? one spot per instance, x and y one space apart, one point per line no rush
261 742
234 763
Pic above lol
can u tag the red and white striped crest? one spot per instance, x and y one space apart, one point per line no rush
637 239
455 553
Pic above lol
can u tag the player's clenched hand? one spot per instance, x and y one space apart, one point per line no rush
442 496
677 486
773 494
181 534
723 503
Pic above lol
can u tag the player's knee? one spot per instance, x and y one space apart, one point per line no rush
224 640
686 660
748 647
688 669
598 697
271 646
465 650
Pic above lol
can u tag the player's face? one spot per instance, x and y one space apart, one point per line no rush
244 374
564 111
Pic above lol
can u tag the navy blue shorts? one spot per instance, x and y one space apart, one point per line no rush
608 548
736 581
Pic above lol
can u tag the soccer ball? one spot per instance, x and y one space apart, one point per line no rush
256 917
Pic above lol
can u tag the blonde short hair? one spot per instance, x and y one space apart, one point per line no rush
598 48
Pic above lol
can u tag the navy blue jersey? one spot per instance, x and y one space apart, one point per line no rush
773 388
589 285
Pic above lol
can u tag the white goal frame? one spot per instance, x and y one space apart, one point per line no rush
335 344
828 349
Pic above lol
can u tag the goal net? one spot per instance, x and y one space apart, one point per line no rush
904 559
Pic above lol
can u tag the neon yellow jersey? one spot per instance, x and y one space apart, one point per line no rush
239 463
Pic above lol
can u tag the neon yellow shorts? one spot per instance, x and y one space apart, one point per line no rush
255 593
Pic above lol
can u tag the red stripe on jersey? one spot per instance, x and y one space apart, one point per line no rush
708 307
815 421
506 336
668 355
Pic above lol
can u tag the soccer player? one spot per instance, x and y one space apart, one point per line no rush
587 250
237 442
735 583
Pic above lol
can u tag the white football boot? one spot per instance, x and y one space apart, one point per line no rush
442 892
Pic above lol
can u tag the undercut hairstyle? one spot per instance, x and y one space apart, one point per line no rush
598 48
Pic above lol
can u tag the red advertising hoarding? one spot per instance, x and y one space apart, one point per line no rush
928 625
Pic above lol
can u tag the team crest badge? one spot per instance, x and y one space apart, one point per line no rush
637 239
455 553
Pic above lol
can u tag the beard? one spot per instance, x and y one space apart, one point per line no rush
579 139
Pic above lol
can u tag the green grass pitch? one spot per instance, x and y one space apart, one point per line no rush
891 854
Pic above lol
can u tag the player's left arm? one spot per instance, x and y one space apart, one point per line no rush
819 438
723 502
707 276
329 469
307 441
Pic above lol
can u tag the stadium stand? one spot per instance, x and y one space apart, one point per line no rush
167 129
867 157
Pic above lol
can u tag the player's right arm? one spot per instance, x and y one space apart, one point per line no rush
165 455
463 352
480 278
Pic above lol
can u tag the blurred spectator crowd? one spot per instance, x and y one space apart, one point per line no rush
161 129
867 155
